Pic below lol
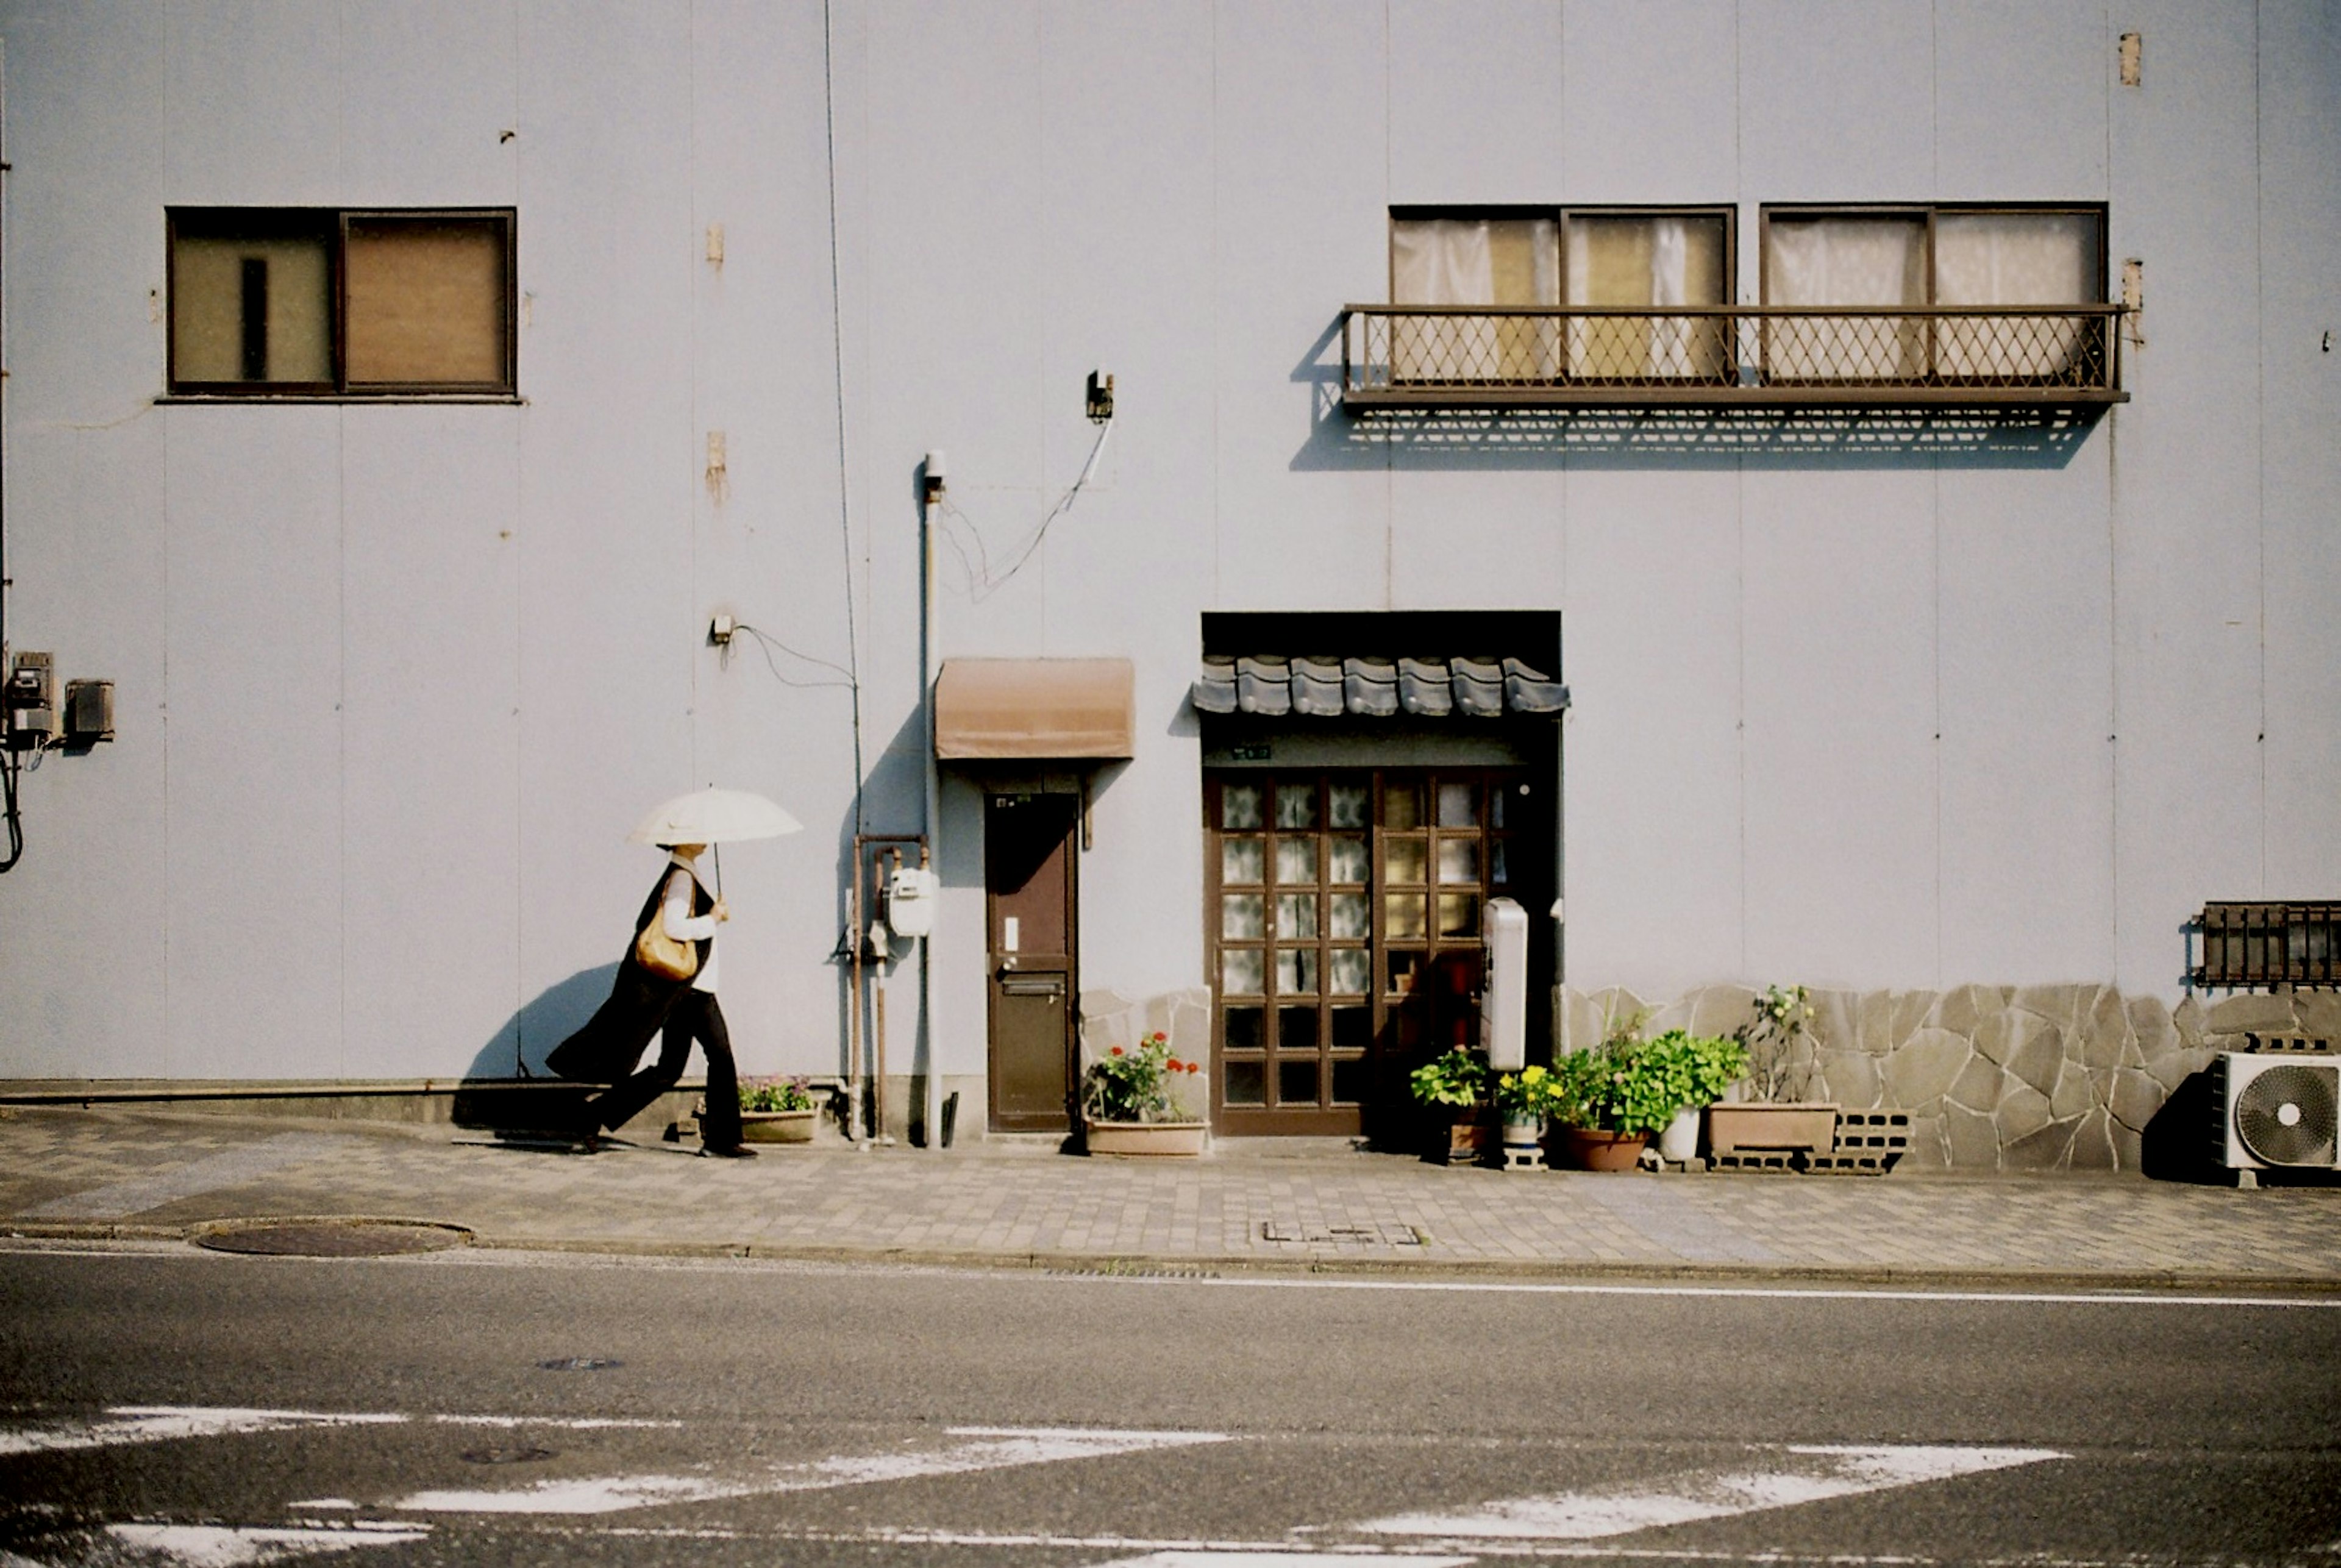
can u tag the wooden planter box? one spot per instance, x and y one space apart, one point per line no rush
1146 1140
777 1126
1807 1125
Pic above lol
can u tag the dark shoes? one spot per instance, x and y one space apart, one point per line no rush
726 1151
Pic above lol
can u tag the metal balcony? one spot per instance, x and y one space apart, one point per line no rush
1681 356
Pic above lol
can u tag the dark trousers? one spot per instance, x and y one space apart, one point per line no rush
691 1014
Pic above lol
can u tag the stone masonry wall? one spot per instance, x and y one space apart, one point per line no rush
1994 1077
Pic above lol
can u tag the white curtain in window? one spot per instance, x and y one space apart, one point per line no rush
1644 260
2013 258
1839 263
1474 261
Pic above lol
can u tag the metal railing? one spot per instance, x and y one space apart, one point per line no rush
2253 945
1970 357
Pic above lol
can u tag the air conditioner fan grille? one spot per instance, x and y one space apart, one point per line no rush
2287 1115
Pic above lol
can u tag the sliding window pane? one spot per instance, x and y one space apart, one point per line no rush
254 305
426 302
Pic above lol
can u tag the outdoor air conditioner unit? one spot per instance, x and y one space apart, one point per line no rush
2278 1111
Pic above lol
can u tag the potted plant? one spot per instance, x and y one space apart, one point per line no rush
1130 1105
1702 1068
1611 1098
1527 1099
1457 1083
776 1111
1774 1117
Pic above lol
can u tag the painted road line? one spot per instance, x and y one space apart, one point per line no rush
231 1546
228 1168
129 1424
1271 1559
1804 1474
982 1448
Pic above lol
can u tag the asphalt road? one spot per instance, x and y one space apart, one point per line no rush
162 1405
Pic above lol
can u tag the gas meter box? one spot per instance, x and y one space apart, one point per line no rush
1504 991
911 900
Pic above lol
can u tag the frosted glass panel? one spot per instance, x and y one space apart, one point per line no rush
1240 806
1296 970
1458 915
1296 917
1296 806
1458 860
1459 805
1404 859
1351 972
1240 971
1241 915
1351 916
1350 861
1348 806
1402 916
1296 860
1241 859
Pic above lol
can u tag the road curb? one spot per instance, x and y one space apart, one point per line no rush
1327 1267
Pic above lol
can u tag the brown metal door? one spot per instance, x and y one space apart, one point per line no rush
1029 898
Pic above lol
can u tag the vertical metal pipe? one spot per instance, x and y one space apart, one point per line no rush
857 1089
930 852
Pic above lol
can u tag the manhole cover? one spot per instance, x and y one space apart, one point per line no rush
579 1364
331 1238
510 1454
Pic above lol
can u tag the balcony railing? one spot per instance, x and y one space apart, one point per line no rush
2253 944
1546 356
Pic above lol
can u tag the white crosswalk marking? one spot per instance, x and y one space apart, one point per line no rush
983 1448
161 1422
1803 1473
227 1546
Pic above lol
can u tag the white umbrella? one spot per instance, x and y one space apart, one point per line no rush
714 816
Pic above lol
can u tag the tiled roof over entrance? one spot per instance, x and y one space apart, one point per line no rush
1328 688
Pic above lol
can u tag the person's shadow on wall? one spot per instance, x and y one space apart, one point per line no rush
507 1088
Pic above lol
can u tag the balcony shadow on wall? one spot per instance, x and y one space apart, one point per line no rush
1661 438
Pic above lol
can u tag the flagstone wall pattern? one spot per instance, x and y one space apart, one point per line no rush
2030 1077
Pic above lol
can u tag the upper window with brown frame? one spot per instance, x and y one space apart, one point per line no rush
1935 259
1592 285
291 303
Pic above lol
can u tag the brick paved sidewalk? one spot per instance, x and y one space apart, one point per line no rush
142 1172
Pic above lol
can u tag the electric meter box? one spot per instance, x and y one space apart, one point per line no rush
1504 989
911 900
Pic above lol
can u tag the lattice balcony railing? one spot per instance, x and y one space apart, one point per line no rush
1428 356
2255 944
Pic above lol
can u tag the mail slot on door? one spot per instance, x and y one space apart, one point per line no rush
1032 985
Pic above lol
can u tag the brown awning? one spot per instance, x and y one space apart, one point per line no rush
1034 710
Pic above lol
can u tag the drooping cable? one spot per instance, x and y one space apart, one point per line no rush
837 362
982 581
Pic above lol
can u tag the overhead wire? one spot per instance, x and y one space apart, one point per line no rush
982 583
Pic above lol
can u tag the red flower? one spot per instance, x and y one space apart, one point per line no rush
1176 1066
1194 1067
1117 1050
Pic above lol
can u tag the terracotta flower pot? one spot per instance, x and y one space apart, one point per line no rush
1466 1138
1593 1149
1146 1140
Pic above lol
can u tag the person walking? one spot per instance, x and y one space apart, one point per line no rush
643 1002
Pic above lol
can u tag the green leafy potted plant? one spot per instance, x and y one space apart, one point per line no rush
1775 1117
1457 1084
1527 1099
1132 1105
777 1111
1703 1067
1612 1097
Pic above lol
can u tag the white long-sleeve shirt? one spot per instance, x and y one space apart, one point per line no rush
684 927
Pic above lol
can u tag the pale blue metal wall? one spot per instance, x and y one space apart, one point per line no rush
392 681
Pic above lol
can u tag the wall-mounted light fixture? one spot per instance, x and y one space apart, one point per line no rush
1100 397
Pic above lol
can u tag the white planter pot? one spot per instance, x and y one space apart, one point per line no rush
1678 1144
